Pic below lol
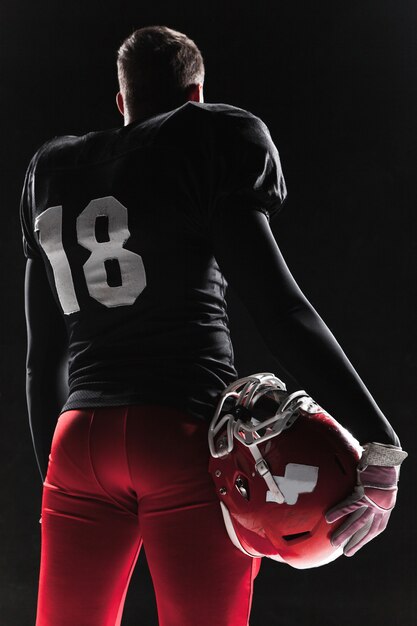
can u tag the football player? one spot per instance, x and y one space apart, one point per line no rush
131 236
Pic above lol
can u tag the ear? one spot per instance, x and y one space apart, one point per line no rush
120 103
195 93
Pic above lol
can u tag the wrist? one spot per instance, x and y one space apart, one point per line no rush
382 454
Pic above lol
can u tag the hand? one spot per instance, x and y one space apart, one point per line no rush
369 507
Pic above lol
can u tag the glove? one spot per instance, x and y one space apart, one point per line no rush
369 507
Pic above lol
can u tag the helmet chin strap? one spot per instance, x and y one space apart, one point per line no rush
286 415
263 470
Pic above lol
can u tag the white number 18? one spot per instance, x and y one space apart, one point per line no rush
132 271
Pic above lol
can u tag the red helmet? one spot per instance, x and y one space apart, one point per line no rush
279 462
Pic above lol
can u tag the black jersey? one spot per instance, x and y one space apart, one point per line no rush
121 219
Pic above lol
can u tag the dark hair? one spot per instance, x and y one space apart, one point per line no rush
155 66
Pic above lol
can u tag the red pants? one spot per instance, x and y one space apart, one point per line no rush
122 476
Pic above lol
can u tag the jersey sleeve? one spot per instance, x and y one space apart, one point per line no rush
30 245
247 171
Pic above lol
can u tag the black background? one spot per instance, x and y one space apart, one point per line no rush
336 83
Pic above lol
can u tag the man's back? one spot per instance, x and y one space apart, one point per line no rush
123 222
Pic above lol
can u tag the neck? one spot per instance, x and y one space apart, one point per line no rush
147 112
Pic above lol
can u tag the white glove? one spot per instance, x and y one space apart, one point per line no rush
369 507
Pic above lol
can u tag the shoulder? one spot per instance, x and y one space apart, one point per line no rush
220 116
57 146
218 112
199 120
67 151
237 131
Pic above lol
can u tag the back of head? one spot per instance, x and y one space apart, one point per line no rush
155 66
